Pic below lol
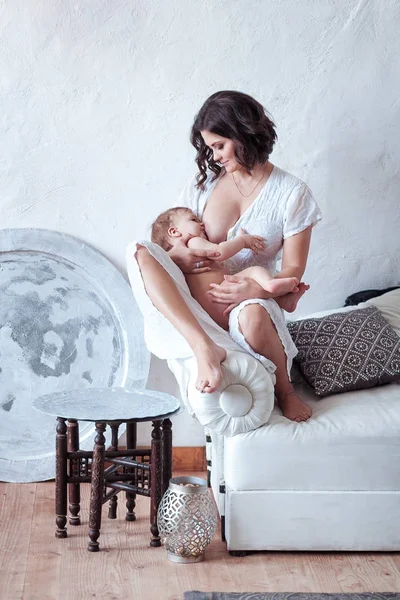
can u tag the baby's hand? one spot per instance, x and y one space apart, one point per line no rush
253 242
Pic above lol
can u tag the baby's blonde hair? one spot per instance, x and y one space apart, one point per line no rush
159 229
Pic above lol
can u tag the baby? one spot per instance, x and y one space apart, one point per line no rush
181 226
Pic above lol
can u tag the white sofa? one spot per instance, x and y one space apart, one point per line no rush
331 483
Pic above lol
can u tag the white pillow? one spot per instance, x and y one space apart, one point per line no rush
389 305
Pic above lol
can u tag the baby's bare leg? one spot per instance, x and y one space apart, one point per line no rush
276 287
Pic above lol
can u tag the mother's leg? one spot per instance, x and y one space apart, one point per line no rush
166 298
260 333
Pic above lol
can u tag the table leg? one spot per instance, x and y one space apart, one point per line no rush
74 488
113 504
131 438
61 478
97 485
166 454
155 482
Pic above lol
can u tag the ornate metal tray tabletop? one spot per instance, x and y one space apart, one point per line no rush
68 320
109 404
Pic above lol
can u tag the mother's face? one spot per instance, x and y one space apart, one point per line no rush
223 150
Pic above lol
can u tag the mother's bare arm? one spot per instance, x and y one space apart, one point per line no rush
294 254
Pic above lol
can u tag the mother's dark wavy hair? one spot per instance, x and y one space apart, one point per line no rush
236 116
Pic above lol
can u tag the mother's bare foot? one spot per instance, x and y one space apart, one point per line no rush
293 408
209 358
289 301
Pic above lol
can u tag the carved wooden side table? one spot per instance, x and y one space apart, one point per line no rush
135 471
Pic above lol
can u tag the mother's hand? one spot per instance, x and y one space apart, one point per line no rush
234 290
192 261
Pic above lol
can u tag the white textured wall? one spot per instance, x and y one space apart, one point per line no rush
97 99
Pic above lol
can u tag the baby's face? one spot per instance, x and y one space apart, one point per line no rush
189 225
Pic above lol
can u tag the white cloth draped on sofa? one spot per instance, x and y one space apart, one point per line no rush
245 398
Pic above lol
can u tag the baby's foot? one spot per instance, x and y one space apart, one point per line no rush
285 285
289 301
293 408
209 358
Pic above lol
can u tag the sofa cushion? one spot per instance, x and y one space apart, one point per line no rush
351 442
347 350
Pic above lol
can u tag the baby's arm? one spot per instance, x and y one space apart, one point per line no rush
231 247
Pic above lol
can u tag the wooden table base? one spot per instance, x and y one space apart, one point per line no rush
145 472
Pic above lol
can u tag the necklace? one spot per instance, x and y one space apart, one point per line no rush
254 188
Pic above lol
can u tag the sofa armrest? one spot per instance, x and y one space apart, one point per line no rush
243 401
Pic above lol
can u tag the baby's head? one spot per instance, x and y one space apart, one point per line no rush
174 225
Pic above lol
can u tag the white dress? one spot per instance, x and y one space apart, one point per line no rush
284 207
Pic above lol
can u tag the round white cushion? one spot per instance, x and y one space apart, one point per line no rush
243 401
236 400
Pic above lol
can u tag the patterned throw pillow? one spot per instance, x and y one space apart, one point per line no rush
347 351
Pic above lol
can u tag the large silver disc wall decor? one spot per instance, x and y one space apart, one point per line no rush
68 320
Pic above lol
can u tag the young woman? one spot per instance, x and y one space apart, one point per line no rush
238 187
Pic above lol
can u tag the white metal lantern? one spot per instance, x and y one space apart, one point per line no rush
187 519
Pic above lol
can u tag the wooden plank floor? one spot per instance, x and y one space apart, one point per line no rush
34 565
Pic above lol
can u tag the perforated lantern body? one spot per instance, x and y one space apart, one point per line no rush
187 519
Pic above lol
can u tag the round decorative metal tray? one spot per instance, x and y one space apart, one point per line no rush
109 404
68 320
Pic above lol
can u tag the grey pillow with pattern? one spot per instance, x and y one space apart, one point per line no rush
346 351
